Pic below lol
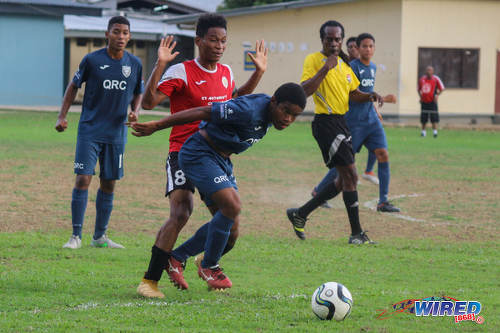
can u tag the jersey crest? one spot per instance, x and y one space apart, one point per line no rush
126 70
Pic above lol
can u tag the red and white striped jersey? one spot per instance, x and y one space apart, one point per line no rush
190 85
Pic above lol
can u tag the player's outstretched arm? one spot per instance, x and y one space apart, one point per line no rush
260 61
361 97
179 118
68 99
152 96
311 85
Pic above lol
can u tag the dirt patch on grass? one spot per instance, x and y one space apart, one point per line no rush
36 196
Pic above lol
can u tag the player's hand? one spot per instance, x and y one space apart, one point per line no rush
377 98
436 97
390 99
61 124
331 61
165 50
133 117
260 57
143 129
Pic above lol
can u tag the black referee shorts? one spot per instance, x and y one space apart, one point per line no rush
334 139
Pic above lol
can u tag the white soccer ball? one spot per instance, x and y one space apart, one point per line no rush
331 300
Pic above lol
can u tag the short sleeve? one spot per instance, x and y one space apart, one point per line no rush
440 83
353 85
309 69
229 112
82 73
173 80
139 87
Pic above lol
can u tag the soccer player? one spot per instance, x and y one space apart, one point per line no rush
352 48
193 83
113 81
430 87
329 78
363 119
227 128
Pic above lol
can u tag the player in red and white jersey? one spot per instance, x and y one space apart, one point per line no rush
193 83
429 88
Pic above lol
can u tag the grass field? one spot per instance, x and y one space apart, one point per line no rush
444 243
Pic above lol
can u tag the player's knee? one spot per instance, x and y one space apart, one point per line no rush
382 155
232 209
180 218
82 182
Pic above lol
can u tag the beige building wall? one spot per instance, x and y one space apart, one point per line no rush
293 33
454 24
77 52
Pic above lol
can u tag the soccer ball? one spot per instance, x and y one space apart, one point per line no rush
331 300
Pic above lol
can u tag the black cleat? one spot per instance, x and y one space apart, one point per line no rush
387 207
298 222
360 238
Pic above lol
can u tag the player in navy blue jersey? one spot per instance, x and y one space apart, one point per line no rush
113 80
227 128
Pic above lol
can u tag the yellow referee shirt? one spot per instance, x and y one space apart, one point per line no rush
332 96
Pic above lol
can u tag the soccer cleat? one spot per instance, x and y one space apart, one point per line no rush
423 134
74 243
370 176
360 238
325 204
149 289
174 269
387 207
298 222
104 241
435 135
198 259
215 278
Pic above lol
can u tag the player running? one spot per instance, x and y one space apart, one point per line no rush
113 81
228 128
193 83
328 76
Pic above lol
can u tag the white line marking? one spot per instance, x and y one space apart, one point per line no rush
372 204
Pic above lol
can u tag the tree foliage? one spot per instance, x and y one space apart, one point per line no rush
231 4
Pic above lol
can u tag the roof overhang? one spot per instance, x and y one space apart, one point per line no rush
47 8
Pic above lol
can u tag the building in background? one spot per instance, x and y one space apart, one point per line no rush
32 49
460 38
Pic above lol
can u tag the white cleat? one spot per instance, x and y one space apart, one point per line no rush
104 241
74 243
370 177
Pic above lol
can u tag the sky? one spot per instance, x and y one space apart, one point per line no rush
208 5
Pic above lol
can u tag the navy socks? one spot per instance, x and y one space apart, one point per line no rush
104 206
78 205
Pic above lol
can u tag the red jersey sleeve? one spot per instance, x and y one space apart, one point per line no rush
440 83
173 80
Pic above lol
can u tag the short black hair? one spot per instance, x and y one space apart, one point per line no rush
292 93
352 39
118 20
210 20
364 36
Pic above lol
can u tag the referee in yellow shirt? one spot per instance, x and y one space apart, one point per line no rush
329 78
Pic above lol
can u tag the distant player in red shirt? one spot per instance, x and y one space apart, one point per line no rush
193 83
429 88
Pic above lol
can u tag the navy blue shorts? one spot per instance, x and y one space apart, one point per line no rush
205 168
110 156
372 137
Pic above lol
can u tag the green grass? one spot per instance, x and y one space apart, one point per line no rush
454 253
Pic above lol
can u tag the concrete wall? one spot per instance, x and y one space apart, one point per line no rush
32 60
294 33
453 24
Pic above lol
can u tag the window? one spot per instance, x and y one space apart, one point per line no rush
81 41
457 68
98 42
139 44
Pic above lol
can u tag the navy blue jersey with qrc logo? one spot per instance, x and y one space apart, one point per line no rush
110 87
237 124
362 112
